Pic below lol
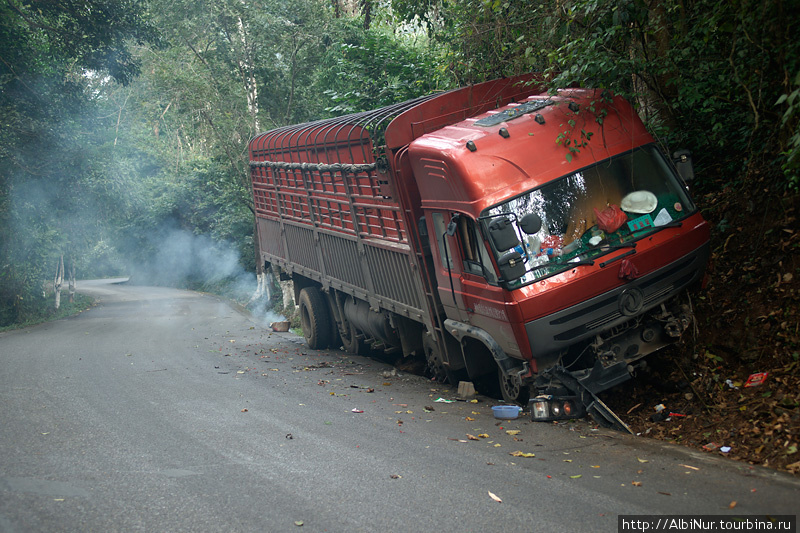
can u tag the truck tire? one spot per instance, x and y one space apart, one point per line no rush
351 343
512 392
436 367
315 318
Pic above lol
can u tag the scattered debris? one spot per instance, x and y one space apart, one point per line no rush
466 389
356 410
442 400
756 380
493 496
522 454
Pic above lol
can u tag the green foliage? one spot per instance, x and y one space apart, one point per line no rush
55 55
368 69
704 74
790 122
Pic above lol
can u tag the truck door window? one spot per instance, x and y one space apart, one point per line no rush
476 256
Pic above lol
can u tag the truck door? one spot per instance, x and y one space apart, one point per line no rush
463 262
467 279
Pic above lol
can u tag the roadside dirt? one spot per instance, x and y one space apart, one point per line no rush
747 323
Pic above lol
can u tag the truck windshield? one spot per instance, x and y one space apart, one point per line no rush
590 213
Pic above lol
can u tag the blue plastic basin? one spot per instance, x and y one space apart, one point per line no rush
506 412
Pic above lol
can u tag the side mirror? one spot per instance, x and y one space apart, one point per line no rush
511 265
683 164
502 233
530 223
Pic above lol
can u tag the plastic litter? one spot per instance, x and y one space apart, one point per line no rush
756 380
506 412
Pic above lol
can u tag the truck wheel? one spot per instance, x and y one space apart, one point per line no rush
352 344
436 368
512 390
315 318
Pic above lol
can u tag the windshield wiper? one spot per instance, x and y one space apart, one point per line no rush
559 268
620 256
673 224
611 247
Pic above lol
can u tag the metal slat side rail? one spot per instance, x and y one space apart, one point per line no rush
321 167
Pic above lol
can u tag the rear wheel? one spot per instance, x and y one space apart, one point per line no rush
351 343
315 318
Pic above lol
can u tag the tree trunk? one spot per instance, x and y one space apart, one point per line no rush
260 277
59 279
71 280
366 10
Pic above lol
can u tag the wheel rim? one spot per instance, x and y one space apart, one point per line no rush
435 365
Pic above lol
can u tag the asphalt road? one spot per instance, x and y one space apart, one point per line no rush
166 410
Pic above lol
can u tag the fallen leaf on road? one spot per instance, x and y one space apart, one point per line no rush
493 496
298 523
513 432
522 454
395 476
643 460
484 435
576 477
732 505
470 419
636 483
472 437
244 410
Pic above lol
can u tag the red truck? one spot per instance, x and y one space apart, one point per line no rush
524 241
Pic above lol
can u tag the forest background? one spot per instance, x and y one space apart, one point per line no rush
124 126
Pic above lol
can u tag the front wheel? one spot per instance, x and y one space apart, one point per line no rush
315 318
513 390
